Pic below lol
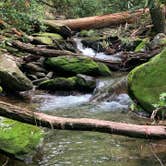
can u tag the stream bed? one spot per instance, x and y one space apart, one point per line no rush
77 148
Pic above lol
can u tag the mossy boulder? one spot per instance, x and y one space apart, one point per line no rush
19 139
47 38
57 84
11 77
80 83
148 81
70 65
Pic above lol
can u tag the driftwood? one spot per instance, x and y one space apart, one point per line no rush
100 21
83 124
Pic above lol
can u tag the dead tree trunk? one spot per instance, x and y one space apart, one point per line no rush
41 51
158 19
83 124
99 21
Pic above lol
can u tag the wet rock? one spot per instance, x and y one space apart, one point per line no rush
50 75
60 83
158 41
80 82
40 75
11 77
147 82
94 43
85 83
69 65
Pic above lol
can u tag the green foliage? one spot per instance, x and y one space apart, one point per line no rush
81 8
161 102
22 14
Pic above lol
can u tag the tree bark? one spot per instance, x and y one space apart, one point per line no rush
100 21
83 124
41 51
158 19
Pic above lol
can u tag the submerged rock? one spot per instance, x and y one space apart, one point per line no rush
69 65
80 83
148 81
11 77
19 139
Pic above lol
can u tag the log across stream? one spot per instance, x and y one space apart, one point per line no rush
90 148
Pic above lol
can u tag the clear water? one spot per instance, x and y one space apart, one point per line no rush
76 148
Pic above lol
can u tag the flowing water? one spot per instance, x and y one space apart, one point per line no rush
99 55
78 148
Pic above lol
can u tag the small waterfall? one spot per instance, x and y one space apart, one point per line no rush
91 53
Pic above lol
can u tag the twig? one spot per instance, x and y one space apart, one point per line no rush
155 155
6 162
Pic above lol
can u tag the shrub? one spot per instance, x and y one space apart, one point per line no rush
23 14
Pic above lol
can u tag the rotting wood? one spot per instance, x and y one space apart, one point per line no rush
82 124
96 22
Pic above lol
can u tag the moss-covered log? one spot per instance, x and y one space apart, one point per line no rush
83 124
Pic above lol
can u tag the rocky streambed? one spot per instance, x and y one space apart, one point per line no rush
75 84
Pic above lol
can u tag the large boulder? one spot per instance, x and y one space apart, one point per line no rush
19 139
11 77
148 81
69 65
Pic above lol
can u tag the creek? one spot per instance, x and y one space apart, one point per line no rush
78 148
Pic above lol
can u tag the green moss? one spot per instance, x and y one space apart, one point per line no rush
85 33
142 45
60 83
77 65
104 70
163 42
1 89
147 81
17 138
44 40
54 36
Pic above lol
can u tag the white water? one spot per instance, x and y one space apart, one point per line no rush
91 53
53 102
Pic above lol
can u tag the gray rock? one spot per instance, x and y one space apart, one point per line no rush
11 77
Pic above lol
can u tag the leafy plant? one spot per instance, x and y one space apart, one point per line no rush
160 105
23 14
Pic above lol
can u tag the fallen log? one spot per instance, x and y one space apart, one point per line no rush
96 22
63 30
82 124
41 51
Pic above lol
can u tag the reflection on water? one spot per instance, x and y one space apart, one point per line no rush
76 148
